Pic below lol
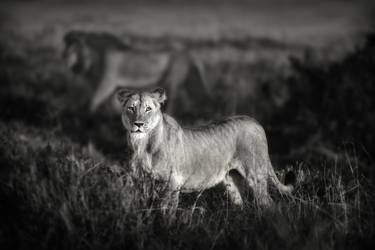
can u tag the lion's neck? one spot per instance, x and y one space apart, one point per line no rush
145 147
149 152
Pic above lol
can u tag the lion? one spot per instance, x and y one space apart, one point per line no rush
108 63
194 159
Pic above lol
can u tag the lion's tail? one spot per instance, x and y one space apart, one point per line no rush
285 189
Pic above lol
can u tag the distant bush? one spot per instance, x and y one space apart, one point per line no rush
333 104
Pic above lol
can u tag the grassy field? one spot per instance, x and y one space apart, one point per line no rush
314 97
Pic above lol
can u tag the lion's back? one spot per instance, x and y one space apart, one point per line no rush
238 124
222 139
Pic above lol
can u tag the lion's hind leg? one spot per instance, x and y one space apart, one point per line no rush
261 195
235 183
257 179
233 189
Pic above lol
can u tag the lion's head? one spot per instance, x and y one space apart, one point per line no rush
77 54
141 110
82 50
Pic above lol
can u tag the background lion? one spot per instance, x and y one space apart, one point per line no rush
108 62
197 158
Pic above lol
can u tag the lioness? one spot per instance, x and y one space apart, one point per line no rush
107 62
194 159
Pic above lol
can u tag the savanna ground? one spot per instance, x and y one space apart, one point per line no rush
306 73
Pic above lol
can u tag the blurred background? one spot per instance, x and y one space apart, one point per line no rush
296 66
304 69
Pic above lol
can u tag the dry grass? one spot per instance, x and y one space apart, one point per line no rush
56 196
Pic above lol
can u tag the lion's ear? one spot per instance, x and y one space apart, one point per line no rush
159 94
123 94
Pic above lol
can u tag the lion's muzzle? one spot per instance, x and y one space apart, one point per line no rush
138 127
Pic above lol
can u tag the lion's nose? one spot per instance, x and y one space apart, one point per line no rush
139 124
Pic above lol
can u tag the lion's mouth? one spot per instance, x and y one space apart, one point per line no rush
137 131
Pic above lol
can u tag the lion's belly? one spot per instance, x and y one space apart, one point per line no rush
203 175
206 164
202 183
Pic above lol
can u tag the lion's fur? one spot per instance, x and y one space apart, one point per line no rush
198 158
108 62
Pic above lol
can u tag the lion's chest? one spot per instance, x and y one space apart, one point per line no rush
156 164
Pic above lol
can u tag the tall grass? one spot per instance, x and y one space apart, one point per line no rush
56 196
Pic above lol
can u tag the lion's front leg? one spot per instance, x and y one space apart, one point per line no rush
171 199
105 90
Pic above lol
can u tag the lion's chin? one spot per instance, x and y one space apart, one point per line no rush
136 135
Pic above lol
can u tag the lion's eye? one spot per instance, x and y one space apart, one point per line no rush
131 109
148 109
